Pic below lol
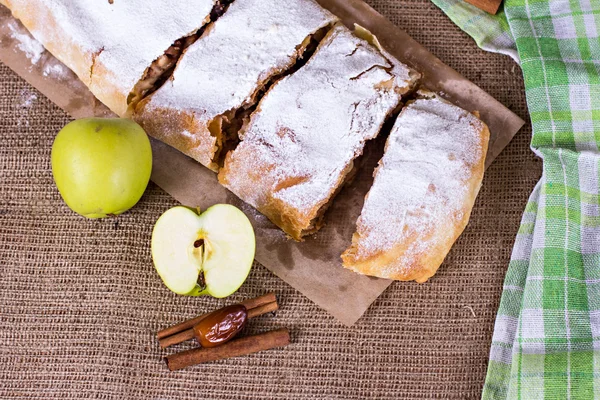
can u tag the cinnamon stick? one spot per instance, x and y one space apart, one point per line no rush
177 338
261 310
235 348
189 333
249 304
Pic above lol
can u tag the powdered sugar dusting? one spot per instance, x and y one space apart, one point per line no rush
311 125
187 134
421 182
55 69
27 99
26 43
252 41
124 37
34 51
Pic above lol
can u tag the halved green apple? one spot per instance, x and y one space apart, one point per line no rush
206 254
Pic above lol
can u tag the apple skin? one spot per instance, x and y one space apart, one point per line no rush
101 166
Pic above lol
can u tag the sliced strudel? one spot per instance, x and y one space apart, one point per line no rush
298 147
201 108
119 49
424 189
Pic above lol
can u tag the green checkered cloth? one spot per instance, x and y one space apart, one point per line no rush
546 341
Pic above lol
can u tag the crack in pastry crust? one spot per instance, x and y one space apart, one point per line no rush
221 77
424 190
94 58
300 144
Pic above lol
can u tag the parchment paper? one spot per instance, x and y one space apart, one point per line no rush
314 266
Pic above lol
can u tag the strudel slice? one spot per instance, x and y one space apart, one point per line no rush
201 108
298 147
424 189
113 45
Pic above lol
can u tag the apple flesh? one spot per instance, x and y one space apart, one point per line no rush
207 254
101 166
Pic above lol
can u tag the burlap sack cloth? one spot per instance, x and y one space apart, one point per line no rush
80 302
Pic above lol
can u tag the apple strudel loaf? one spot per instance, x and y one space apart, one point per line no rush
200 109
118 49
424 190
300 144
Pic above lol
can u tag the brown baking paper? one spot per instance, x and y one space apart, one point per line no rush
314 266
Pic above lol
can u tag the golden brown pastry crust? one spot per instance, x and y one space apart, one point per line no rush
300 144
429 231
222 74
110 46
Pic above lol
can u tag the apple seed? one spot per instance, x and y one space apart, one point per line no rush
201 281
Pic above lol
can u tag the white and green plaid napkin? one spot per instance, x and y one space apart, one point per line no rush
546 342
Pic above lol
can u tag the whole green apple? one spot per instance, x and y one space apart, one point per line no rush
101 166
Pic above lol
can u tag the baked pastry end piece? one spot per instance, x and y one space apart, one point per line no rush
424 190
119 49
